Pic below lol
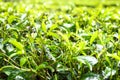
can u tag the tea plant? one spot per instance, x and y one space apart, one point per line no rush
59 40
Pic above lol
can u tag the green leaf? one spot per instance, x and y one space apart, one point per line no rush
53 34
51 68
17 53
8 69
44 66
94 36
11 19
41 66
44 27
107 72
88 60
23 60
90 76
77 27
18 77
1 46
55 77
16 44
10 48
114 56
53 27
61 68
82 45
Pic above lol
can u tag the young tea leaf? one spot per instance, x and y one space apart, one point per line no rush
114 56
41 66
23 60
11 19
94 36
44 27
17 53
16 43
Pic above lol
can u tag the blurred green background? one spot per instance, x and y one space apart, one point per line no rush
79 2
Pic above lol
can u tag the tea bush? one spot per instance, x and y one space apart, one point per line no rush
59 40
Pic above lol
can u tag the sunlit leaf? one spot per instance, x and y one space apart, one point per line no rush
93 37
53 27
88 60
17 53
53 34
11 19
90 76
44 27
19 78
114 56
107 72
92 60
10 48
16 43
61 68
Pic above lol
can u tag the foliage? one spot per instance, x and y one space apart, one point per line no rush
59 40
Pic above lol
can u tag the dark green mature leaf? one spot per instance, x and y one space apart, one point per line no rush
108 72
8 70
92 60
91 76
88 60
44 66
